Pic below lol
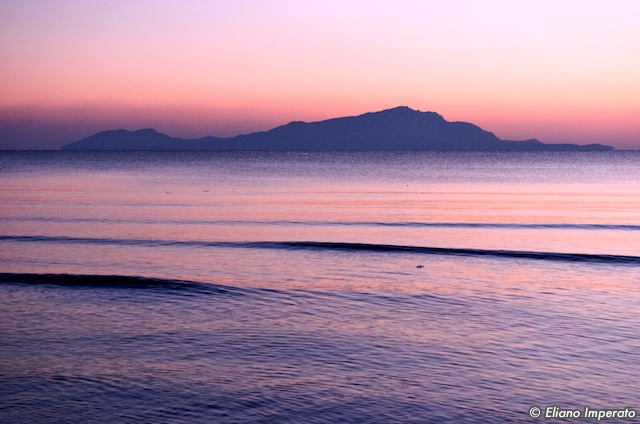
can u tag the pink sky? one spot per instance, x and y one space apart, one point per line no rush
559 71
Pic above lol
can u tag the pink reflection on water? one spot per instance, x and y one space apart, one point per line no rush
204 205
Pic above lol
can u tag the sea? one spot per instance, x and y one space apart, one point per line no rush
319 287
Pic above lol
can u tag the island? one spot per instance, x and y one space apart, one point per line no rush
400 128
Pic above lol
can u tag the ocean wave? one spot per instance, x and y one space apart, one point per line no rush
410 224
340 246
117 281
198 288
554 256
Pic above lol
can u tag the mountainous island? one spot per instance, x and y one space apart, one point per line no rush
400 128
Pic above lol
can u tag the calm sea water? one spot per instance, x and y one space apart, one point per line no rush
198 287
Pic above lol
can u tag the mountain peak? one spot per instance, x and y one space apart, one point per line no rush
407 111
399 110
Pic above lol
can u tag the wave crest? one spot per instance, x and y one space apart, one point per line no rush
319 246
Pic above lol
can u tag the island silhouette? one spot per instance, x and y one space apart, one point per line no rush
400 128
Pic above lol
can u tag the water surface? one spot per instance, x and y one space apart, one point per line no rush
317 287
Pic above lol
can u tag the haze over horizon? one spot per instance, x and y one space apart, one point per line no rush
557 71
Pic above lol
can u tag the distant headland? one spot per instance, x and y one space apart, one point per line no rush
400 128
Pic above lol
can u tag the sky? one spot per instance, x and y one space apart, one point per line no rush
559 71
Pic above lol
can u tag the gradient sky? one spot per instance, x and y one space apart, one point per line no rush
559 71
